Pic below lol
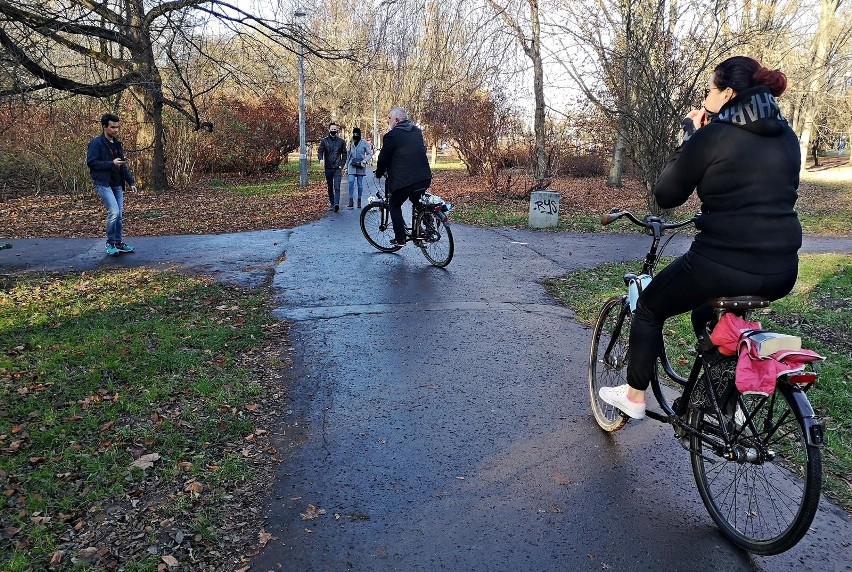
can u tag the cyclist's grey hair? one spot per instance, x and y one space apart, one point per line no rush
399 113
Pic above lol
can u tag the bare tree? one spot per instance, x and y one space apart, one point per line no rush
644 64
530 42
821 62
117 46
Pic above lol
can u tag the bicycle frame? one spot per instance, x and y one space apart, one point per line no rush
755 458
655 227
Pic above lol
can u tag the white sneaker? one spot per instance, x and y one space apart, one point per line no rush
739 417
617 397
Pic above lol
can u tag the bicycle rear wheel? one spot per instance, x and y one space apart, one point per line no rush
766 498
377 228
436 240
608 360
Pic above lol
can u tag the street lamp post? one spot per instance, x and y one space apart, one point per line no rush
303 154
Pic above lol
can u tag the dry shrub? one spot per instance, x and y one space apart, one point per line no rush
43 148
581 166
253 135
182 152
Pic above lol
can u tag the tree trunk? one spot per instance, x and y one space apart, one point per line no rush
149 113
815 151
616 169
540 169
848 142
151 166
819 59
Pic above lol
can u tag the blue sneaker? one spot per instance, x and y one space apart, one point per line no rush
112 250
124 247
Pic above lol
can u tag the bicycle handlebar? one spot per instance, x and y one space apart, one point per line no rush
648 222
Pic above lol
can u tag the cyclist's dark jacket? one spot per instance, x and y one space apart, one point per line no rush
403 158
333 151
745 167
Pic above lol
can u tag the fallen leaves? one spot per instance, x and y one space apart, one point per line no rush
312 512
182 488
145 461
194 487
191 211
264 537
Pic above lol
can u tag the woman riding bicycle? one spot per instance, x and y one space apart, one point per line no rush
742 157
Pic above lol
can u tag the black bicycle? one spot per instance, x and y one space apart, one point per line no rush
429 230
756 459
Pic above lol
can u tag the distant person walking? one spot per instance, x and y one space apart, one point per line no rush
403 158
356 162
332 155
108 168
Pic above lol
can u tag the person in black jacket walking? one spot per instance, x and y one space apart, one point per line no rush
108 168
743 159
403 158
332 155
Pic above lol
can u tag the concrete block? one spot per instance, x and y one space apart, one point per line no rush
544 209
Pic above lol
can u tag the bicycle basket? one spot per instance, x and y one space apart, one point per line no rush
722 372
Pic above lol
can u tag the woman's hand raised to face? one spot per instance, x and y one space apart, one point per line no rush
698 117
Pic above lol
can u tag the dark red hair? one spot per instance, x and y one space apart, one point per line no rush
741 73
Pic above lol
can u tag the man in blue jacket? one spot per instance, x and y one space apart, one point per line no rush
108 167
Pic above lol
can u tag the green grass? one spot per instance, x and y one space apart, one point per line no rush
824 207
819 310
447 164
830 223
282 187
97 369
516 215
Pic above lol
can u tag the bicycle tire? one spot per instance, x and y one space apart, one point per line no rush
435 240
764 506
609 369
377 228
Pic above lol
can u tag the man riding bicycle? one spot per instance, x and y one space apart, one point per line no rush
403 158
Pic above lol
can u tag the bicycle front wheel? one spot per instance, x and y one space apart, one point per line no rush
763 495
608 360
436 240
377 228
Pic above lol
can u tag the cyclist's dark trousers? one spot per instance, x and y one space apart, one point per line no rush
685 285
332 180
399 196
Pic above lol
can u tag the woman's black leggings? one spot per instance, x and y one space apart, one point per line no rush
684 285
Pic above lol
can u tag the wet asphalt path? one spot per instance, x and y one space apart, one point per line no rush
440 418
442 422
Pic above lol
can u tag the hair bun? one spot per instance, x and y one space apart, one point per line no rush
775 80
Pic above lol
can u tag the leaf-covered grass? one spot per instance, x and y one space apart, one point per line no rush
129 407
824 206
819 310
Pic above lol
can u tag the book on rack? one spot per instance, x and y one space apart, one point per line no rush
767 343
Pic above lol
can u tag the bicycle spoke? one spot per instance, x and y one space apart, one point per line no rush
765 497
608 360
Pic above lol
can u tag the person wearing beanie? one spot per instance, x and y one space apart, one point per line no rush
358 157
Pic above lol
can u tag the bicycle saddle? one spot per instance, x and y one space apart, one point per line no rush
739 302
